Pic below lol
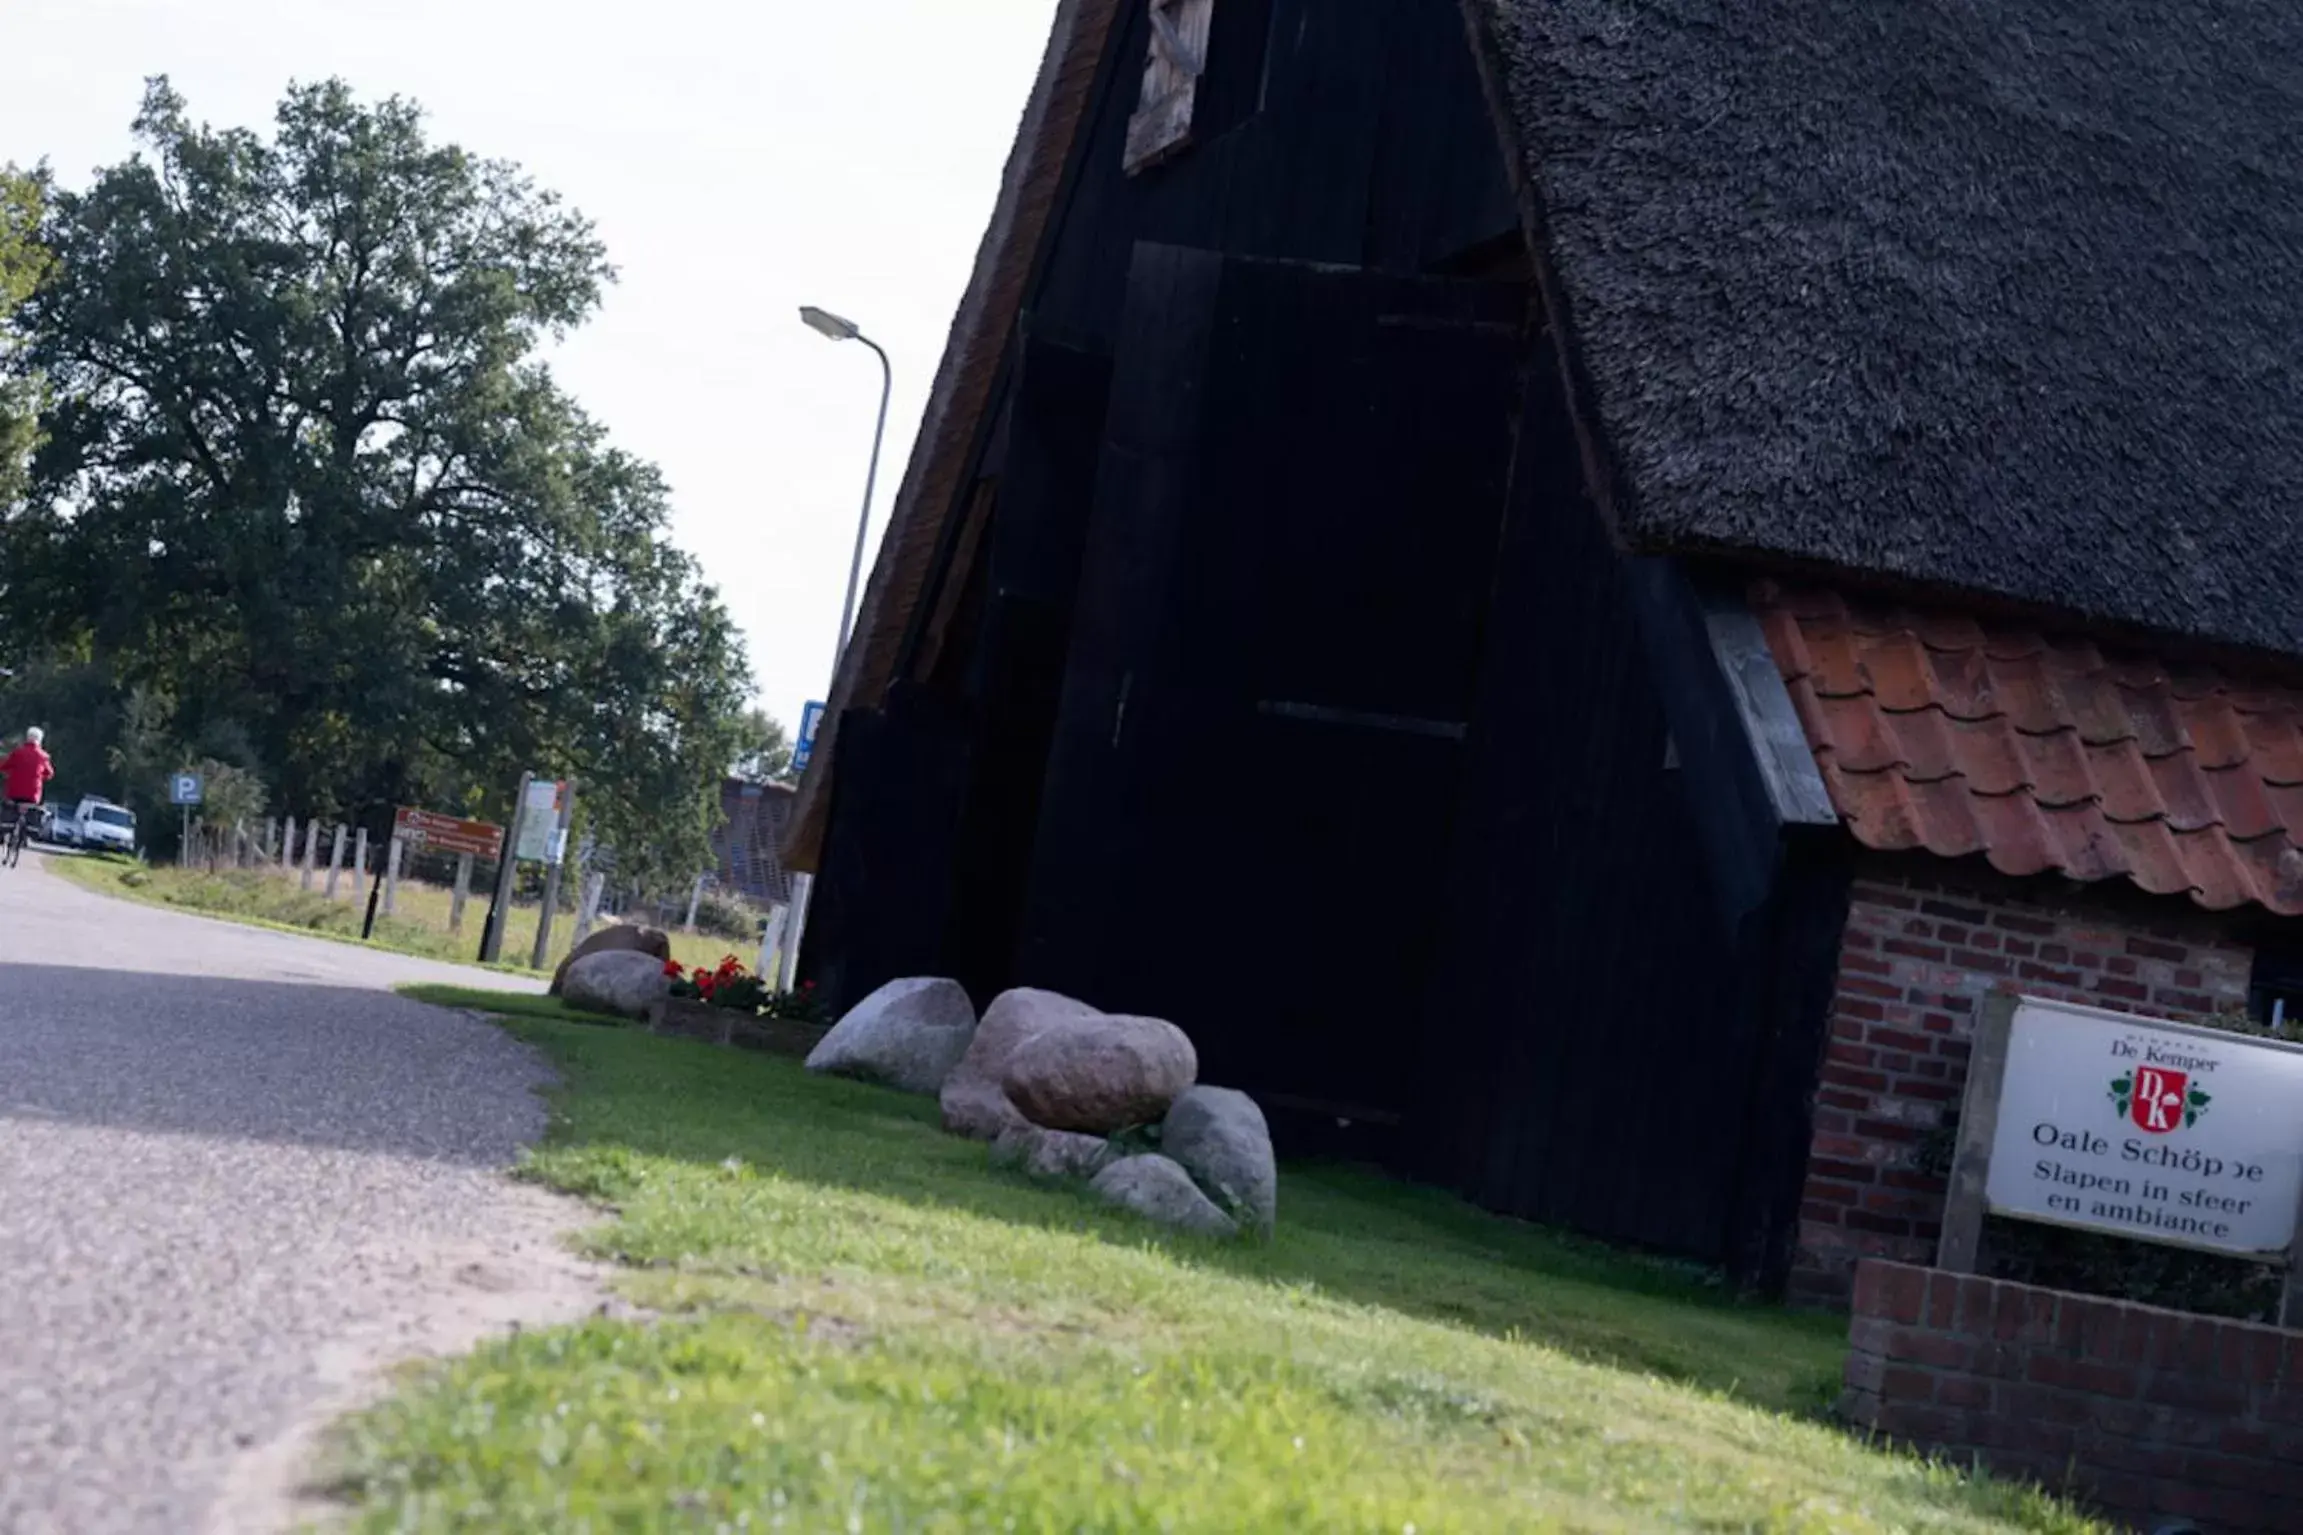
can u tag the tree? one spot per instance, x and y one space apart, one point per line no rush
22 265
303 475
766 755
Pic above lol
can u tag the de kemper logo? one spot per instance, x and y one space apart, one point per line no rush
2159 1100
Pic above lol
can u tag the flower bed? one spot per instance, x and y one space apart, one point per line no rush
728 1005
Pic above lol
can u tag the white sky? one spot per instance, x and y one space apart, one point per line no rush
739 160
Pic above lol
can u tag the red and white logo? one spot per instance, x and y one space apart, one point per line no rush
2158 1100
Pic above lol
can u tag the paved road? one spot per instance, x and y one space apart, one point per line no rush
234 1172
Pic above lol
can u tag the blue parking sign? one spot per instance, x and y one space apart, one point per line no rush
811 715
184 789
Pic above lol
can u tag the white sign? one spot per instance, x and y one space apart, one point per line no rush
2191 1137
539 820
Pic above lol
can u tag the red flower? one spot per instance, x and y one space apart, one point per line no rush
672 969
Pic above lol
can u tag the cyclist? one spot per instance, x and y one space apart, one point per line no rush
24 772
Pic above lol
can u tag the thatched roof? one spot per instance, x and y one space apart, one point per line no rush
1999 297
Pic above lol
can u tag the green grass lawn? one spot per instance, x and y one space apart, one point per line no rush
856 1324
418 925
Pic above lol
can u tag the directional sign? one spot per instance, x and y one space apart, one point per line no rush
811 715
447 834
184 789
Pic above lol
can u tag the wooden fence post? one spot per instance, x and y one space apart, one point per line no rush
287 842
360 866
588 906
335 862
1960 1242
392 874
695 899
462 893
551 907
311 848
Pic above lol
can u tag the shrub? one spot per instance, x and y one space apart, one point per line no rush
728 914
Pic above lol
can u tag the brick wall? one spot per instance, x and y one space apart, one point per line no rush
1920 953
2148 1415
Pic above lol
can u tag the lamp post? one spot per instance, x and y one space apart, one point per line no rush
832 327
824 323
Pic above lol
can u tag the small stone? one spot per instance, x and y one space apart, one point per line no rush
908 1035
1220 1137
1158 1189
1051 1154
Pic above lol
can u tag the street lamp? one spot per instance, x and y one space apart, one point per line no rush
826 324
833 328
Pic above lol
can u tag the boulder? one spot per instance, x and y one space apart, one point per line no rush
1051 1154
908 1035
974 1101
616 936
1158 1189
1220 1138
1100 1074
624 982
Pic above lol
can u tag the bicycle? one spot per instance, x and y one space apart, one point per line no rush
19 830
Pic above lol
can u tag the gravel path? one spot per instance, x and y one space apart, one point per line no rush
236 1174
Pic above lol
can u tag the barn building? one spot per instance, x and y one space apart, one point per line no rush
1567 585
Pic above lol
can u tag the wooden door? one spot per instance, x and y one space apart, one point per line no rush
1277 640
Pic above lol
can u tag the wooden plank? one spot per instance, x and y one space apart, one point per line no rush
1161 126
1779 742
1963 1206
463 893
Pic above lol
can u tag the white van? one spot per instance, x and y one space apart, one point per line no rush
99 824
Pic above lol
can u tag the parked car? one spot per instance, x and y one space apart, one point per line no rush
99 824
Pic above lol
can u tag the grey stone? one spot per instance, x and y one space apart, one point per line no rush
1100 1074
1158 1189
975 1103
610 939
909 1034
1052 1154
623 982
1219 1136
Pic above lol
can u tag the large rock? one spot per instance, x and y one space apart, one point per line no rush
615 937
1220 1137
1158 1189
909 1034
1052 1154
975 1101
1100 1074
624 982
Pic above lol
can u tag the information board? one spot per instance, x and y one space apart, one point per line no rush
2148 1129
539 820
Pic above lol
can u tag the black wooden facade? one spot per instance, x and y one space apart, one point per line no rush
1280 676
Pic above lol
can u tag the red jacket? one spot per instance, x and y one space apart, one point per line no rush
26 769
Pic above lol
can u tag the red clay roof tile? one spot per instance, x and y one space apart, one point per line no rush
1941 732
